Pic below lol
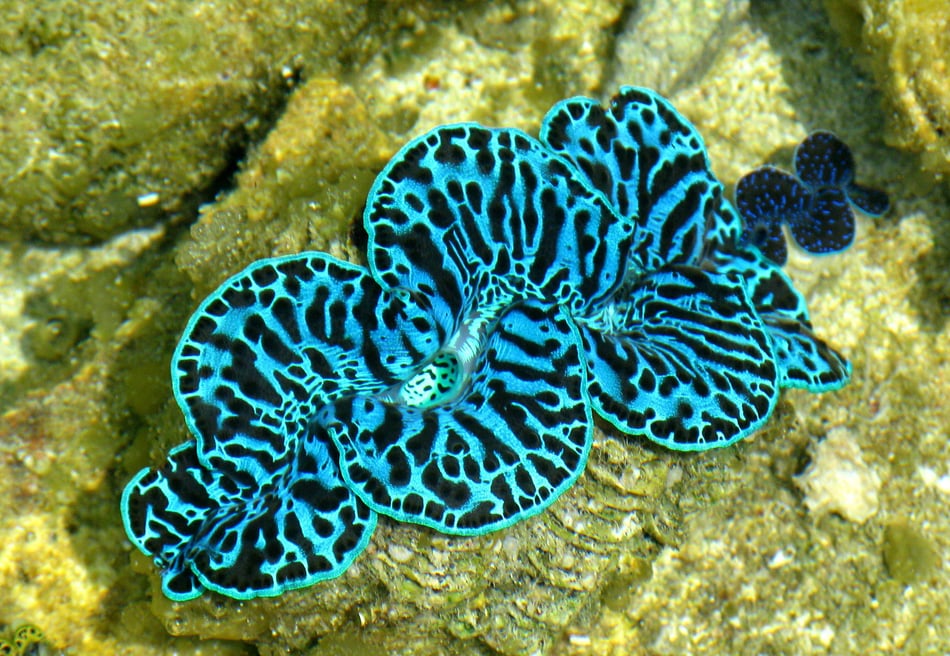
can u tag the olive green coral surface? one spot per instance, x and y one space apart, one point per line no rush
150 151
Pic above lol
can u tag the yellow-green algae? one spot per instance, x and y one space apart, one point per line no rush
651 552
111 117
909 554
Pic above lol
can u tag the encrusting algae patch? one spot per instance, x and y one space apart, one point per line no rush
719 551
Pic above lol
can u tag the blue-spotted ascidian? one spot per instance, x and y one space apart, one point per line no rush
515 287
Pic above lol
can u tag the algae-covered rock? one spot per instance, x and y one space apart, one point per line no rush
672 44
907 44
300 189
113 117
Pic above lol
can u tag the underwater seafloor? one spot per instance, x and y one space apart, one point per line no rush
149 151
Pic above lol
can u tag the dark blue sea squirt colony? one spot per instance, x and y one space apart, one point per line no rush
515 287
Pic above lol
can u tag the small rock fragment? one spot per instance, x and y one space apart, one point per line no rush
839 481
